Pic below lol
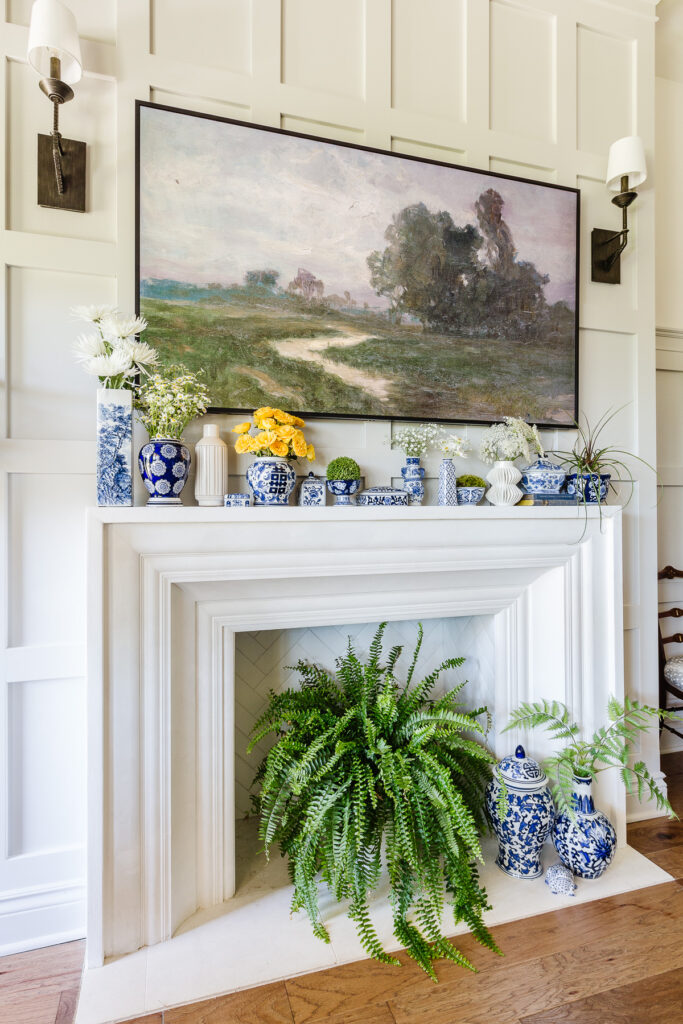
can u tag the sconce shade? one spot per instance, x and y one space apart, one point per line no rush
626 157
53 33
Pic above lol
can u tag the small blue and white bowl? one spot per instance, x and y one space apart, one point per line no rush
587 489
164 466
470 495
383 496
342 490
543 478
241 500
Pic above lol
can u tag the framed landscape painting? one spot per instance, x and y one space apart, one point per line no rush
333 279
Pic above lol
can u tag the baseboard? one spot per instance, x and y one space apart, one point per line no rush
43 916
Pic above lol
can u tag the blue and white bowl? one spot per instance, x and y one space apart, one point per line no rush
543 478
470 495
164 467
342 490
587 488
383 496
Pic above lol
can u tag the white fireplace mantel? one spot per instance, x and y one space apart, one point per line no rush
168 590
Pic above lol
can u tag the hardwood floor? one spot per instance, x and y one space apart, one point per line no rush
618 960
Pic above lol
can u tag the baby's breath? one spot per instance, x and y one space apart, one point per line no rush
416 441
510 440
168 401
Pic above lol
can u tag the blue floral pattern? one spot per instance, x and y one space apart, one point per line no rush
312 491
470 495
164 467
382 496
114 451
272 480
588 843
413 475
530 811
543 478
588 489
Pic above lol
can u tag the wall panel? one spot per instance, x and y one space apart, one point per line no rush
323 46
416 46
96 19
204 33
605 85
523 62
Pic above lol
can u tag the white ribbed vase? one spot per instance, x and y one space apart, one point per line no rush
211 454
504 476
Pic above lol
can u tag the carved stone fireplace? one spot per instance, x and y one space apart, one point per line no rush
171 589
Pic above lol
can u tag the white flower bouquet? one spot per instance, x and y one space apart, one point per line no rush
510 440
454 446
168 401
416 441
113 353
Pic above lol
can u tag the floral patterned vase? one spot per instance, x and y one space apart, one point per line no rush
588 843
448 488
526 826
504 476
114 446
589 487
413 474
164 466
342 490
543 478
272 479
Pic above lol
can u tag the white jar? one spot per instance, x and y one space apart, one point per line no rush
211 480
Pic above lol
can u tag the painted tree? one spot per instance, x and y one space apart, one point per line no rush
307 285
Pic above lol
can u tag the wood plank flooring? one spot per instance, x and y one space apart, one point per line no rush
618 960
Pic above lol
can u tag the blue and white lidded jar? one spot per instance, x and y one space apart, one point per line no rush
164 465
587 843
272 480
543 477
530 812
312 490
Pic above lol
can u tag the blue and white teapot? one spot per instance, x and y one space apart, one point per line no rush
529 818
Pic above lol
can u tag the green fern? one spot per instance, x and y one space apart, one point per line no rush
365 773
610 746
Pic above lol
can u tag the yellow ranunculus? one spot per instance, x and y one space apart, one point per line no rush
268 423
299 445
254 444
310 453
285 432
243 444
241 428
263 413
298 422
283 417
279 448
266 438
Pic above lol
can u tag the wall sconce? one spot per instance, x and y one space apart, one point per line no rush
626 170
55 52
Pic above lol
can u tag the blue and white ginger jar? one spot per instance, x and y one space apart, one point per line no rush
164 466
543 478
589 487
312 490
413 475
530 811
272 479
587 843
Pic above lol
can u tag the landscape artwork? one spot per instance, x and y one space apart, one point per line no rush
332 279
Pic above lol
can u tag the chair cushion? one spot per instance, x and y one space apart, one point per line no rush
673 670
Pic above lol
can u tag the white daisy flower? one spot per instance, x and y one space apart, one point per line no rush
119 326
109 366
93 314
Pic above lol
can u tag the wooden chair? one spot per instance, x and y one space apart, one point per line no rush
670 669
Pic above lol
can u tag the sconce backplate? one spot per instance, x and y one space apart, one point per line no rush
603 244
73 167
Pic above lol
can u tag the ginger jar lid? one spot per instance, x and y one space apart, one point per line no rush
522 772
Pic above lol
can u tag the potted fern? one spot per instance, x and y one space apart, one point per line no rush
583 837
369 773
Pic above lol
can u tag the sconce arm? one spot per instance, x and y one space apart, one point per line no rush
57 145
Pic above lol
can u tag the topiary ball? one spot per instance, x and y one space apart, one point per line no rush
343 468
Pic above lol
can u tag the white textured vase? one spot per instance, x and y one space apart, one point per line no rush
211 454
503 477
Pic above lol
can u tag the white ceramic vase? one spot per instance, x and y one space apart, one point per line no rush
504 477
211 455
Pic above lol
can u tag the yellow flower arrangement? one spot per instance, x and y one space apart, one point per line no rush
278 434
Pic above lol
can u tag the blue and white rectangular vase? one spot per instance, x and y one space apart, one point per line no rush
114 446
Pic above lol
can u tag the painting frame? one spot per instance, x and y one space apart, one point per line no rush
141 105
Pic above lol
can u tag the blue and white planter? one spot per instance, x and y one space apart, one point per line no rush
589 487
164 466
342 490
543 478
413 475
272 479
382 496
114 473
588 843
448 483
530 811
470 495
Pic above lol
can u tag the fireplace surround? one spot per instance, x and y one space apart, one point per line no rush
169 590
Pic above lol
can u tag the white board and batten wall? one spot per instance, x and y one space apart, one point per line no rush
535 88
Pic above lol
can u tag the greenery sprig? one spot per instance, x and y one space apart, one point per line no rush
609 747
369 773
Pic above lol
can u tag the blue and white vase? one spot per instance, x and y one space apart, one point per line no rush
114 472
343 489
588 843
591 488
164 466
272 479
543 478
312 491
413 475
530 810
448 483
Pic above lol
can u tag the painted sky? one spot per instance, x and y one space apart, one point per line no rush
219 199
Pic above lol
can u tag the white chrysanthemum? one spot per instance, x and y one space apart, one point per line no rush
87 346
140 352
118 326
109 366
93 314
